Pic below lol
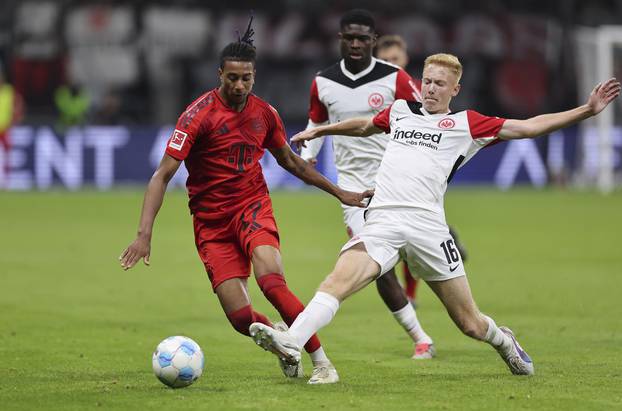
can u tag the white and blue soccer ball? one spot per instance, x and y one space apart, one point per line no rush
178 361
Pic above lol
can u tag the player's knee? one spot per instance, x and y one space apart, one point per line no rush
266 259
241 319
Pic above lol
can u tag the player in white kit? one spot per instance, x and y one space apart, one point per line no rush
428 144
360 85
393 48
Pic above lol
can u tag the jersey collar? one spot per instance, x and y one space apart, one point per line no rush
357 76
425 112
227 106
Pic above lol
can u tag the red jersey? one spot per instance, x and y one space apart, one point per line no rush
221 149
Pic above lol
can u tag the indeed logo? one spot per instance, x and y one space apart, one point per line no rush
418 135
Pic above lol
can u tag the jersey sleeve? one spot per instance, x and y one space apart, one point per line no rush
312 147
183 137
317 110
406 87
382 120
276 137
484 129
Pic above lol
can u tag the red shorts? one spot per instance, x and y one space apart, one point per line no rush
226 246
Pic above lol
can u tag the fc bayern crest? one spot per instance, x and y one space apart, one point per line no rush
446 123
375 100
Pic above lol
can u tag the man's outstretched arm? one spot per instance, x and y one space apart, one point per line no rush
354 127
307 173
601 96
154 196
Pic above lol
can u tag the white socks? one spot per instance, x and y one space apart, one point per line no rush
318 356
408 319
496 337
318 313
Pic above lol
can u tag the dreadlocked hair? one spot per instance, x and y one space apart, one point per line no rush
241 50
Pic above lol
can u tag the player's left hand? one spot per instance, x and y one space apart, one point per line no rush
355 199
299 139
603 94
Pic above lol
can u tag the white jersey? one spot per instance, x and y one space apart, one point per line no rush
337 95
424 152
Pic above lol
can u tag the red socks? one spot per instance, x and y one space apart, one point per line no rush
286 303
244 317
410 283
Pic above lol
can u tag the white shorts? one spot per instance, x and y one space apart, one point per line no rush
421 237
354 219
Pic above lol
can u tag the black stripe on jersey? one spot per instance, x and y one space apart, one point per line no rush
455 168
415 107
335 74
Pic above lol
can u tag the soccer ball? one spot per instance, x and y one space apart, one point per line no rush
178 361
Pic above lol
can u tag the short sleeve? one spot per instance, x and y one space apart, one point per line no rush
317 110
185 134
407 88
382 119
484 129
276 137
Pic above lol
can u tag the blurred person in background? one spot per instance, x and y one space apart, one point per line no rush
361 85
221 137
72 103
393 48
11 112
109 109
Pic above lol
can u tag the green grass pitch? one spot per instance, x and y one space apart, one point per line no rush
77 332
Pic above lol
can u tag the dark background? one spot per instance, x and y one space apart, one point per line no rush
142 62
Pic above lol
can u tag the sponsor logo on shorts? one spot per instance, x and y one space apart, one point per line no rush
375 100
177 140
452 269
446 123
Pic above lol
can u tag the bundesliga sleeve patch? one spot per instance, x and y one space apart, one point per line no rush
177 139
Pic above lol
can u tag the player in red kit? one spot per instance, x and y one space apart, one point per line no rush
221 137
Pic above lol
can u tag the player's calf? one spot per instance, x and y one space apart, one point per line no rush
242 319
473 326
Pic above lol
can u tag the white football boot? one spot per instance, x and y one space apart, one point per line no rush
280 343
324 373
516 358
291 371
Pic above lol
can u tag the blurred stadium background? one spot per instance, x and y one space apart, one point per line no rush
103 82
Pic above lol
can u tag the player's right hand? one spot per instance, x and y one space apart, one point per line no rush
355 199
140 248
299 139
